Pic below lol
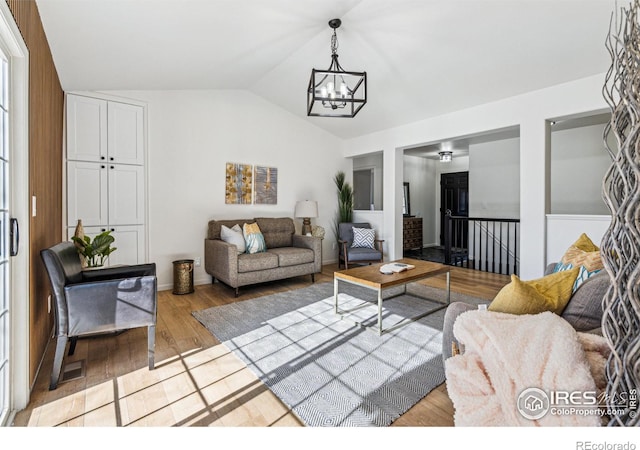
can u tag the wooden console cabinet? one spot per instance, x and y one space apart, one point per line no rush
412 233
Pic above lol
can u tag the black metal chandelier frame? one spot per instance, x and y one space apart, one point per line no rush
323 92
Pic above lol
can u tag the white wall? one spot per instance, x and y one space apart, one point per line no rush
564 230
494 179
529 111
420 173
579 161
193 134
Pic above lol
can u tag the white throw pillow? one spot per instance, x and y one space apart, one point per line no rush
363 238
234 236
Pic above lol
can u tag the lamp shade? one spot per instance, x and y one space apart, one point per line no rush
306 208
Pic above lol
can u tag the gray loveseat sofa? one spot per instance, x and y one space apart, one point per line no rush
583 312
288 254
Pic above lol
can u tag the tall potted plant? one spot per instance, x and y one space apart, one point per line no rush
345 201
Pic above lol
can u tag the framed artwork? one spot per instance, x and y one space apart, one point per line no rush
266 185
238 182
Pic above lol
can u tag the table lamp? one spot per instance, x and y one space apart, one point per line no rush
306 209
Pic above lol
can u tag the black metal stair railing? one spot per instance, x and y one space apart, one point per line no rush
480 243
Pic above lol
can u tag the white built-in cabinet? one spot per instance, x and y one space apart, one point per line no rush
105 173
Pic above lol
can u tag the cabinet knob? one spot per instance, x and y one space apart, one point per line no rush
102 158
102 167
113 229
111 159
112 167
103 229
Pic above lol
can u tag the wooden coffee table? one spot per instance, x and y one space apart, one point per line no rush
371 278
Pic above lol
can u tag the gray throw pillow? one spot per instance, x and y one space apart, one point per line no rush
584 310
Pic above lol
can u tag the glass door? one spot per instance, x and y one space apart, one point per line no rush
8 237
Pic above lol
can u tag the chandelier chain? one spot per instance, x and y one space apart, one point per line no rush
334 43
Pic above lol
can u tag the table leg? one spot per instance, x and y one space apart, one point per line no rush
448 288
380 312
335 294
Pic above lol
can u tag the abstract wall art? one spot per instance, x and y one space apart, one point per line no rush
266 185
238 182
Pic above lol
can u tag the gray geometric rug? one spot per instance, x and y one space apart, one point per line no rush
328 370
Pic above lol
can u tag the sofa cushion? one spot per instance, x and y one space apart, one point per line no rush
213 231
363 238
292 256
277 232
549 293
364 254
233 236
253 238
257 261
582 253
584 310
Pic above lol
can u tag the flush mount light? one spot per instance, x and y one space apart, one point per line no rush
335 92
445 156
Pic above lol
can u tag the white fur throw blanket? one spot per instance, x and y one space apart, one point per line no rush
505 354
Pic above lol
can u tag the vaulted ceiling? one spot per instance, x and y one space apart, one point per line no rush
423 58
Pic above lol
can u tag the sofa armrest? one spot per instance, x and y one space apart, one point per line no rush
313 243
111 273
221 261
450 316
550 268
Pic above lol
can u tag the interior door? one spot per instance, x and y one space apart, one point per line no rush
454 197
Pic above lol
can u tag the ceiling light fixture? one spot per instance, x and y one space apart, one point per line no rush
335 92
445 156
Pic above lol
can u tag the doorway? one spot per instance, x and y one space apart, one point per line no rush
454 199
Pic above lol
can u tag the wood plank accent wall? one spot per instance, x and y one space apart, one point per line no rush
46 110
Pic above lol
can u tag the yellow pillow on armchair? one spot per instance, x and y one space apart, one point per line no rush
549 293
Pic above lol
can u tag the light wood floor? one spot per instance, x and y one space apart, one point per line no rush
197 381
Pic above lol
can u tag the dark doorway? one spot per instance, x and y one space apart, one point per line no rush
454 197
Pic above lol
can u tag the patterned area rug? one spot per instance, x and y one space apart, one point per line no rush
327 369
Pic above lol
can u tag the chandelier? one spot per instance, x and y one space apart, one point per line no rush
445 156
335 92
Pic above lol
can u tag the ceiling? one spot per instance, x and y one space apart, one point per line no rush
423 58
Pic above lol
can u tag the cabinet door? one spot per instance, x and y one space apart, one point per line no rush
126 143
129 242
126 195
86 128
87 193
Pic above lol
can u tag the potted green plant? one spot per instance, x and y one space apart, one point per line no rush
95 251
345 201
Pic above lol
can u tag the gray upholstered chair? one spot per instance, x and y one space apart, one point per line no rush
348 254
98 301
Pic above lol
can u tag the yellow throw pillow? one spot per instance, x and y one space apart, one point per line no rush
585 244
549 293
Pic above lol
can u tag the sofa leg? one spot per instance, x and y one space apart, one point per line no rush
313 277
237 291
151 346
57 362
213 280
